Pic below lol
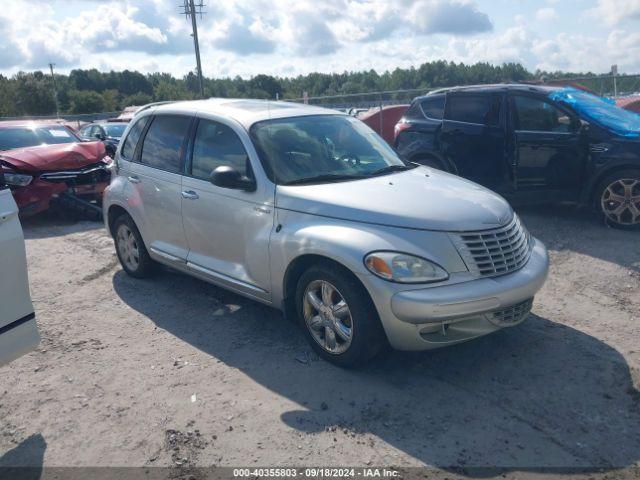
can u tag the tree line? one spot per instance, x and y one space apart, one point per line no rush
91 91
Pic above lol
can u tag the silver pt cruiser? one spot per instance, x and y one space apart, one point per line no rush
308 210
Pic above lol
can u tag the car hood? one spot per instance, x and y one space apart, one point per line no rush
421 198
62 156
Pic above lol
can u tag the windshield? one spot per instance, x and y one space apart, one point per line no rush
322 148
115 130
600 111
21 137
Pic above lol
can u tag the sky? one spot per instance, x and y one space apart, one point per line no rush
292 37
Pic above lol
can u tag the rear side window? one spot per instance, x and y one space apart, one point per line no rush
217 145
433 107
164 143
479 109
129 145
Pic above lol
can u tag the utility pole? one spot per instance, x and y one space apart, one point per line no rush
55 89
192 8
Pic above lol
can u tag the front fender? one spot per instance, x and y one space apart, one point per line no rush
347 243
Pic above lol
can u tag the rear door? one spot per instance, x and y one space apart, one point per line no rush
550 153
18 330
156 176
473 138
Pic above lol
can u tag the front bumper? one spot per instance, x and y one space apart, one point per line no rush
438 316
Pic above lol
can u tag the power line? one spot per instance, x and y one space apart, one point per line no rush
192 9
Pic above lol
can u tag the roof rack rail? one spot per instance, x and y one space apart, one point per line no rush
153 104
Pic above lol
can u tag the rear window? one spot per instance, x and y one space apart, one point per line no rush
164 142
129 145
23 137
479 109
433 107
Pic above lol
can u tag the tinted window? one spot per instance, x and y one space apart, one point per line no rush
216 145
480 109
433 107
115 129
163 143
536 115
129 145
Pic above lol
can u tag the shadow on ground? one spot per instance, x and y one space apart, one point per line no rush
567 227
25 460
56 222
540 395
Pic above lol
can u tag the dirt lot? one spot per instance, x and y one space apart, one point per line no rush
174 371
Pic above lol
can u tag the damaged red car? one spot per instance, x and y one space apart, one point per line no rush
47 162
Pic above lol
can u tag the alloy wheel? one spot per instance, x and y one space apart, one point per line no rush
128 247
327 316
621 201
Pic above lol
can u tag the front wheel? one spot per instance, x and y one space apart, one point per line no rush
618 199
339 319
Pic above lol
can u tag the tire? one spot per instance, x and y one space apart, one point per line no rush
360 323
431 162
617 199
133 256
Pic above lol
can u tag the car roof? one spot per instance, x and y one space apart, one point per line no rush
494 88
245 111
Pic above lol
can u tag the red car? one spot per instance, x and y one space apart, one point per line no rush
42 161
383 121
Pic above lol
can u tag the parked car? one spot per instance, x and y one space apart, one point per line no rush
309 211
531 144
108 132
382 121
42 161
18 329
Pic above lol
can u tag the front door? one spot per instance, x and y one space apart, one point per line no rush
473 138
227 230
549 152
18 330
156 177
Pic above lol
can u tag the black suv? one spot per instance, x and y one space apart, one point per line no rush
532 144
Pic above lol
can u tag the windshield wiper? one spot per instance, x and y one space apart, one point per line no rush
391 168
323 178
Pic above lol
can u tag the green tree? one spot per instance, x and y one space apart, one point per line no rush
86 102
139 98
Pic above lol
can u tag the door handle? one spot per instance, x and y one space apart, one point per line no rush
4 216
190 195
134 179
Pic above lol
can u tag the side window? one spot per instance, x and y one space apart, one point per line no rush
163 144
433 107
536 115
216 145
129 145
84 132
479 109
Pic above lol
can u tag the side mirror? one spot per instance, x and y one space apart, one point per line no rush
99 136
228 177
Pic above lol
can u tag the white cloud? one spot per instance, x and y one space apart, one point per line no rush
546 14
614 12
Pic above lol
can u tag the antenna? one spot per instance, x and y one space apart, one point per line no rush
191 8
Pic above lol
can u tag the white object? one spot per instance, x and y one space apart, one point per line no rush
18 330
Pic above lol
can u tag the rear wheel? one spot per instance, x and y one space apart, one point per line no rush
130 248
339 319
618 199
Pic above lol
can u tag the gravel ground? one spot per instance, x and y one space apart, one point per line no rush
176 372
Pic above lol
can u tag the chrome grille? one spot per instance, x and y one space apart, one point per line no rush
498 251
512 315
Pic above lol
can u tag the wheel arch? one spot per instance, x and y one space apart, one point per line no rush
298 266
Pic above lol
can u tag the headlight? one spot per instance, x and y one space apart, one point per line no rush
17 179
404 268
